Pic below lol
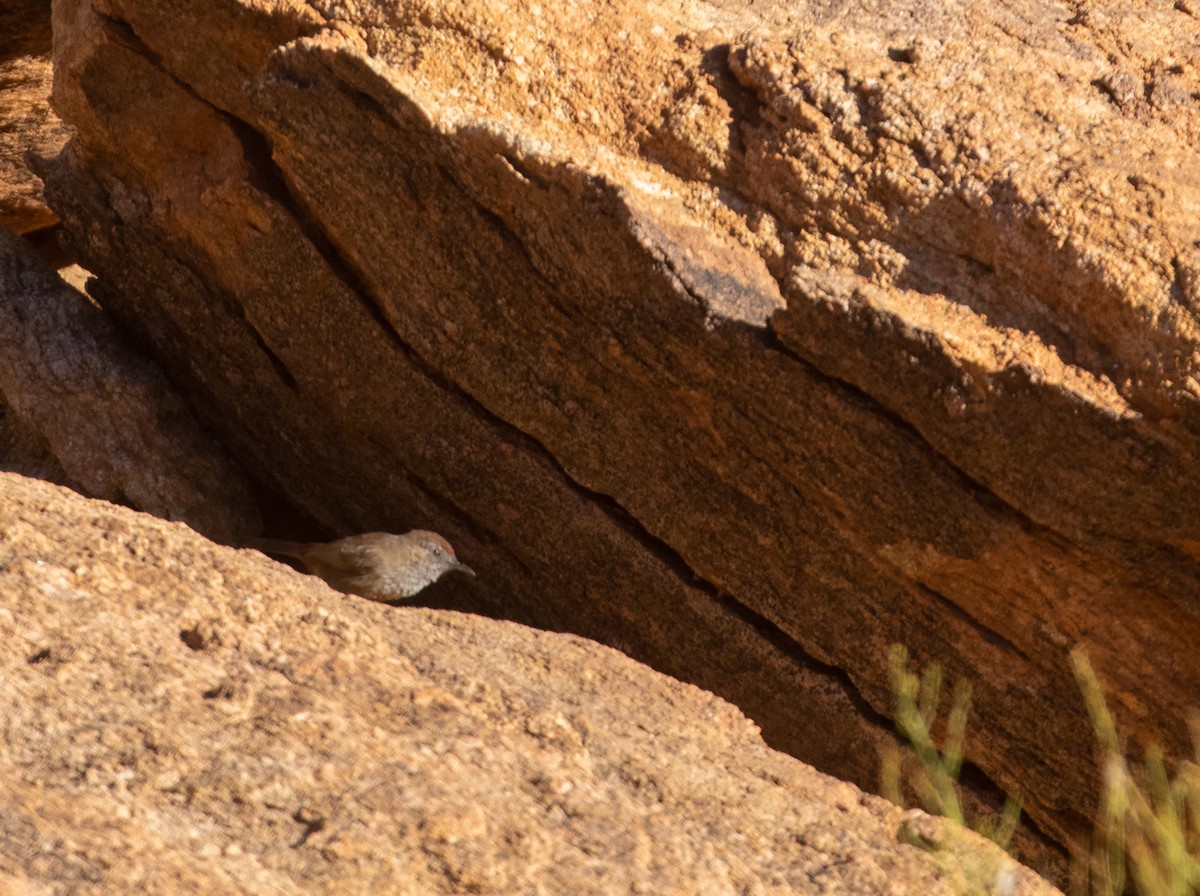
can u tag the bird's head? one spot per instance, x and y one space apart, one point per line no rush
439 557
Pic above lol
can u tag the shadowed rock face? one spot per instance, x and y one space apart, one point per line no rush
747 341
181 716
82 410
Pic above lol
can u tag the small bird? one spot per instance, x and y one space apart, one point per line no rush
375 565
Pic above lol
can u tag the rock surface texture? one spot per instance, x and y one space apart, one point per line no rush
110 421
748 339
179 717
26 122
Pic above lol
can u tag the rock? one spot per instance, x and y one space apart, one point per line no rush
184 716
26 122
23 450
749 339
108 419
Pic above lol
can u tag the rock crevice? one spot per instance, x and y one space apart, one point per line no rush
693 304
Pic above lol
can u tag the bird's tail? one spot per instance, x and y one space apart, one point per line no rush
277 546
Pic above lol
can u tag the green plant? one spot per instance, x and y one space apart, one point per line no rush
1149 822
971 866
935 776
1148 826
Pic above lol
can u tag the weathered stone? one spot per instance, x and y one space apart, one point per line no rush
26 122
747 339
180 717
109 419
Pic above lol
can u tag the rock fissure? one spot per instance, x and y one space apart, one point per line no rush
986 632
509 252
789 647
980 490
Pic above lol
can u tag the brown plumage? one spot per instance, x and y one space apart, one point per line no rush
375 565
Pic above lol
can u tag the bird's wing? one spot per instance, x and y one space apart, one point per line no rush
277 546
347 554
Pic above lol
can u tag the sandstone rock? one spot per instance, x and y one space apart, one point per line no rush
26 122
108 419
183 717
749 339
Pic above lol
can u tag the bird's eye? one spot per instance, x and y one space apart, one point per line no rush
437 552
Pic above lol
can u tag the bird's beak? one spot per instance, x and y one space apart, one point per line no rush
462 567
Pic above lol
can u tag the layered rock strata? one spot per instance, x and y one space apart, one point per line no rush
747 340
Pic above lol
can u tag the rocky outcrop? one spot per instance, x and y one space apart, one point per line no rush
81 406
179 716
749 340
26 122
